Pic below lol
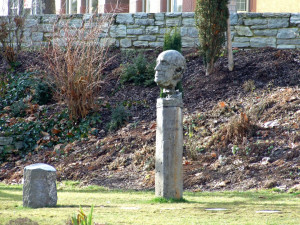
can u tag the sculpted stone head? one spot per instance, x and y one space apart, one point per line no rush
169 69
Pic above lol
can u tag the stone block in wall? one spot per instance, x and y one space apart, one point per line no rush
267 32
295 41
278 22
104 34
295 19
86 17
188 42
133 26
188 15
45 28
145 22
159 16
257 27
241 39
160 23
39 45
108 42
276 15
125 18
255 21
147 38
287 33
240 44
152 30
163 30
243 31
26 44
136 31
6 141
250 15
4 19
233 19
118 31
173 14
140 43
189 32
156 44
37 36
188 22
30 23
27 35
76 23
49 18
125 43
233 34
141 15
286 46
173 22
260 42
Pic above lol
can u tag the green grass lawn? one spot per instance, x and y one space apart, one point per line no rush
132 207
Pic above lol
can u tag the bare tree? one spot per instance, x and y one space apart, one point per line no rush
229 47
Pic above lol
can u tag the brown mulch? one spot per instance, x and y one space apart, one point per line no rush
125 159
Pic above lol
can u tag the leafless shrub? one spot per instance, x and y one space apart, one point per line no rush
77 58
236 129
11 36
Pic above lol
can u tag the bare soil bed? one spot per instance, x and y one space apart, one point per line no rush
241 128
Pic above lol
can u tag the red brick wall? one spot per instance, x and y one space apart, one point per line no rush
120 6
188 5
163 6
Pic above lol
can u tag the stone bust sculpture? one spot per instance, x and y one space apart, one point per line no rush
169 69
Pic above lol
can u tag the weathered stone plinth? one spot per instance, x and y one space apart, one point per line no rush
39 188
169 147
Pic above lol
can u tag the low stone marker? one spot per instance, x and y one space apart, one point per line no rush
169 129
39 188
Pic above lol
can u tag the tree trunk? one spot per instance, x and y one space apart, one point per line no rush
209 67
229 47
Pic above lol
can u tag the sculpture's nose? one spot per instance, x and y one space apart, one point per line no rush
157 67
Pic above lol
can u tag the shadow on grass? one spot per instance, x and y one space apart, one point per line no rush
15 197
83 206
11 188
266 195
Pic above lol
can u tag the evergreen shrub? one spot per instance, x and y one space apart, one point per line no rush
139 72
211 21
172 40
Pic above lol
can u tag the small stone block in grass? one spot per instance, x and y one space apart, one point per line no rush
39 188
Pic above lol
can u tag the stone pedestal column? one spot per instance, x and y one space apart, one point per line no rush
169 147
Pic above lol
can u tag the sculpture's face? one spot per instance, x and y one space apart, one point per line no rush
169 69
165 71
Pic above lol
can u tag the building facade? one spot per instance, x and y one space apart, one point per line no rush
155 6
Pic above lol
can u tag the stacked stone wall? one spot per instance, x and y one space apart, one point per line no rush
146 30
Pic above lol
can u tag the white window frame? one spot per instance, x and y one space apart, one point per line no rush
172 6
247 7
146 6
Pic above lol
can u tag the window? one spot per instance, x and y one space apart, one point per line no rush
242 5
146 6
73 8
175 6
